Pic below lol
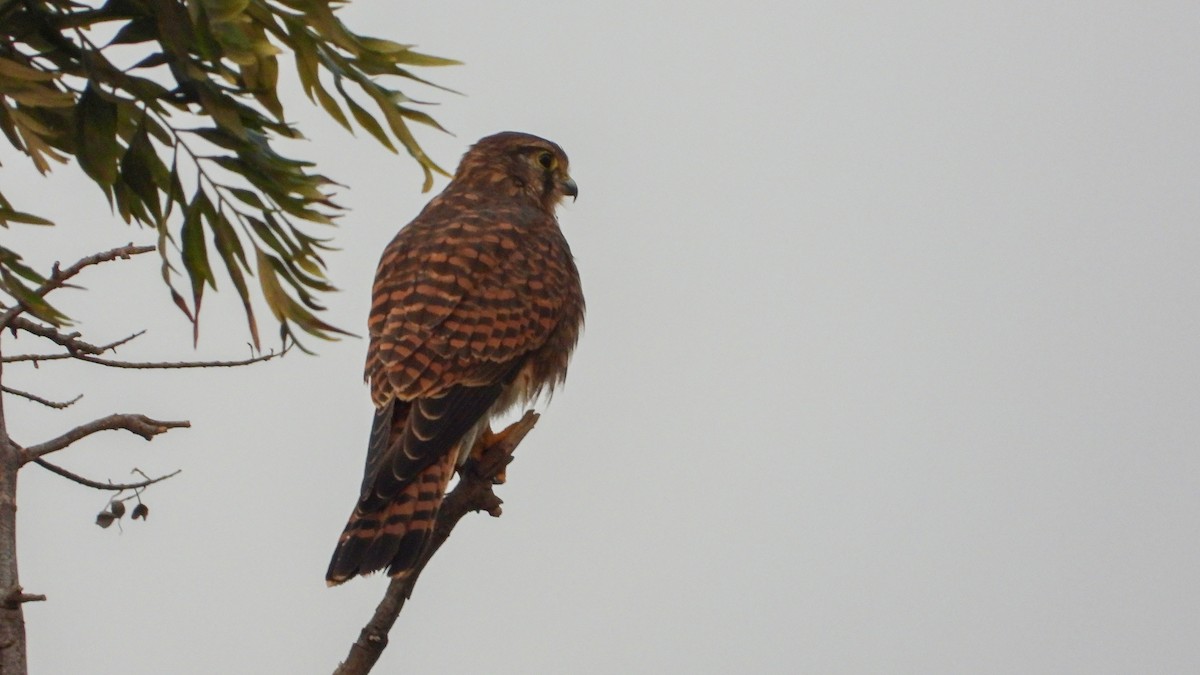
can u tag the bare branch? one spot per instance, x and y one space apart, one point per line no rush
70 341
139 424
54 357
83 351
491 454
87 482
58 277
15 596
58 405
167 365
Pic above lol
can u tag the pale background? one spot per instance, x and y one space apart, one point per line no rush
892 363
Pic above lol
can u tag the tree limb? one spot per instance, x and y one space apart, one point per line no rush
87 482
491 454
139 424
57 405
69 341
58 277
84 351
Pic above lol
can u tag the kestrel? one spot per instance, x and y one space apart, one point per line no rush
476 307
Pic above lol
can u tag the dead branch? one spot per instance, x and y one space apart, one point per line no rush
139 424
87 482
15 596
168 365
57 405
83 351
58 277
489 458
69 341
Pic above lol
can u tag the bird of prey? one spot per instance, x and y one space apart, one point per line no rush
476 307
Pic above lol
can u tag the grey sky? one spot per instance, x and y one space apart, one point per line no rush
892 364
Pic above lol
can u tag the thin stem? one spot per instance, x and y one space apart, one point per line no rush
87 482
100 350
57 405
167 365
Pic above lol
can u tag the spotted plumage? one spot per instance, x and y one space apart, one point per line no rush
476 306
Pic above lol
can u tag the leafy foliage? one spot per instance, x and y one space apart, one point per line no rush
185 133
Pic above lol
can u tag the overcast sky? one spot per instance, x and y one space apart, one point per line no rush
892 363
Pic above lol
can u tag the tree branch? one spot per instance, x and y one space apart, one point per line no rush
69 341
15 596
139 424
491 454
87 482
84 351
58 277
57 405
168 365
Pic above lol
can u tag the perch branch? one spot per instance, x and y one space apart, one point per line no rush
491 454
58 405
139 424
59 277
87 482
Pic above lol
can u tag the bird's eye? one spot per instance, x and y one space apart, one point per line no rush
546 160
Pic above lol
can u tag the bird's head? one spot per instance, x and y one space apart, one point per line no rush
523 164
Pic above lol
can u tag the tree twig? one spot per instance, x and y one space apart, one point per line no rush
70 341
13 597
53 357
492 453
168 365
87 482
58 277
84 351
139 424
57 405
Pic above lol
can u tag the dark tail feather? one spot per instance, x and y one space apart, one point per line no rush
394 535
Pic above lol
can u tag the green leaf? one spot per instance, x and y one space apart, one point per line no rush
11 260
395 120
248 197
138 172
284 308
418 116
383 46
96 137
142 29
152 61
412 58
330 105
19 71
10 216
28 297
222 110
225 10
364 118
195 253
39 95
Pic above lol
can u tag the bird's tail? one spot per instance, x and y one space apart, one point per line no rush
393 533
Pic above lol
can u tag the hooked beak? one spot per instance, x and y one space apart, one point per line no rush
569 188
